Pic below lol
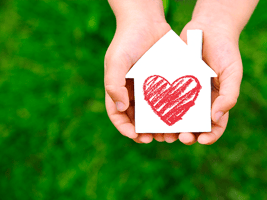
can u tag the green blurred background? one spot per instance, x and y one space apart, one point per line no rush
56 141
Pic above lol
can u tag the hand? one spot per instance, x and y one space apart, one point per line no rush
221 53
132 39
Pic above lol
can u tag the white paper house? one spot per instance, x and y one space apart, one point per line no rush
172 86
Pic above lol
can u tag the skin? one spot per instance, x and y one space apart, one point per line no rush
221 21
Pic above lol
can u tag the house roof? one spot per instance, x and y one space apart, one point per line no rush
170 53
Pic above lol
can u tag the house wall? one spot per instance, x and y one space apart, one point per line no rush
197 119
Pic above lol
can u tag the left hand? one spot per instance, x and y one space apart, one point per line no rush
221 53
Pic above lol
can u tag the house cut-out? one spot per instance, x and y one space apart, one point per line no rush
172 86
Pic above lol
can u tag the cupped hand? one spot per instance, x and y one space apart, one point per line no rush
221 53
130 42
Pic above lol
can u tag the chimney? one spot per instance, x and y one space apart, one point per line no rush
194 42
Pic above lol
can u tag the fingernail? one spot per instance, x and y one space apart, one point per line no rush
218 116
120 106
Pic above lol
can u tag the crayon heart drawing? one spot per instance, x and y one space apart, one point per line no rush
171 101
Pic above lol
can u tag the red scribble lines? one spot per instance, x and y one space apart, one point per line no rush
171 101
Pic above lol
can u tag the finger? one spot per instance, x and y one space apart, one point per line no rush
216 131
116 67
159 137
170 137
137 140
145 138
120 119
230 80
187 138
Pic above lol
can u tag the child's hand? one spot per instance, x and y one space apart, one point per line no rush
134 36
141 23
221 53
222 22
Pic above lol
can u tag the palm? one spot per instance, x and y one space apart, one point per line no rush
222 54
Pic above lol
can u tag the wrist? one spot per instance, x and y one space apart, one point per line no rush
217 16
231 15
227 16
132 11
218 24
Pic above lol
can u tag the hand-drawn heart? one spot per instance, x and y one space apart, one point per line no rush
171 101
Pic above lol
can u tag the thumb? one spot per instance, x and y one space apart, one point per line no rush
230 82
116 67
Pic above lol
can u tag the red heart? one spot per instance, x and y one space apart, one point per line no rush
171 101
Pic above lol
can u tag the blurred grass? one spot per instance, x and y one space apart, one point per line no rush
165 5
56 141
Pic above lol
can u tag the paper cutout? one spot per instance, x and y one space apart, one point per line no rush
174 63
171 101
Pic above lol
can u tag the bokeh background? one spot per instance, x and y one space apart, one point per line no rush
56 141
